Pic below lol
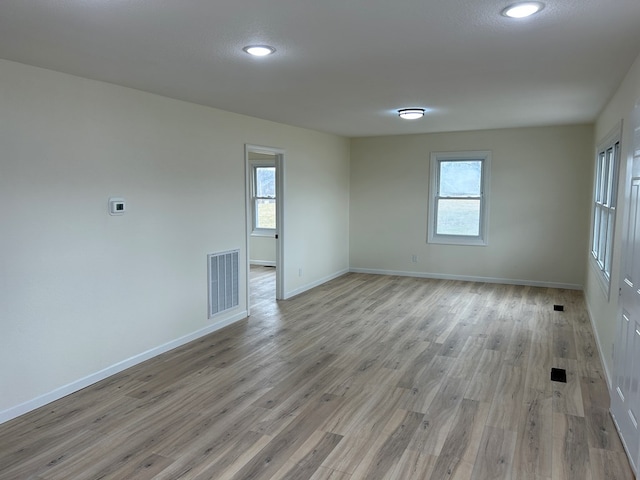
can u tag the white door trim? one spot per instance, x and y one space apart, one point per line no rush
280 217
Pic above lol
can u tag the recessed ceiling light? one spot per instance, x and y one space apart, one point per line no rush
523 9
259 50
411 113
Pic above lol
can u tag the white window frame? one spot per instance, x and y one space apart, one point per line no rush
436 158
259 232
605 197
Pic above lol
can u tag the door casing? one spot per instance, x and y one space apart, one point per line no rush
279 154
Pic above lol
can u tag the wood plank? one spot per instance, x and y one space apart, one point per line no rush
567 397
461 446
274 455
517 354
535 439
601 431
224 466
437 422
571 458
427 385
386 453
495 455
328 474
507 400
413 465
610 465
482 386
309 457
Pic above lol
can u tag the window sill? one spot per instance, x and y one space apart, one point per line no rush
264 233
454 240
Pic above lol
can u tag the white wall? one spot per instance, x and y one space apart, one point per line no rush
603 311
81 290
539 205
262 250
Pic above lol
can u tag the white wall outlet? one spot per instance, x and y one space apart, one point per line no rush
414 258
299 272
117 206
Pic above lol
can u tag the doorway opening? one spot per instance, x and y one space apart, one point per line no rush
264 187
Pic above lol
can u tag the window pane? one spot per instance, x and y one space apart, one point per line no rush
614 178
609 245
602 235
460 178
265 182
265 213
606 194
458 217
600 178
603 179
596 230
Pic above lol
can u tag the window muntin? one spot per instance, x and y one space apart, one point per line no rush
458 207
264 198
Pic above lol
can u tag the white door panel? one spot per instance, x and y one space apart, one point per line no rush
625 394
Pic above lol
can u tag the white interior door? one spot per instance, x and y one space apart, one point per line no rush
625 394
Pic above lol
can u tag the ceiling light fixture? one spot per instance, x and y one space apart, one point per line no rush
259 50
523 9
411 113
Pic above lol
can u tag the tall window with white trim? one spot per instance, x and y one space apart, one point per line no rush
604 206
263 183
458 207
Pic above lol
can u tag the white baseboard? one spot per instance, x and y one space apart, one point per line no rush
467 278
263 263
72 387
317 283
607 374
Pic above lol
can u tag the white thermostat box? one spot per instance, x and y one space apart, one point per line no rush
117 206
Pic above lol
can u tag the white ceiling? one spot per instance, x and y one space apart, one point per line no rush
343 66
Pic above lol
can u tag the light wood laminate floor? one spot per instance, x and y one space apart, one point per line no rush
263 284
365 377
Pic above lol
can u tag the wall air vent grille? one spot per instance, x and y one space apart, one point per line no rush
223 281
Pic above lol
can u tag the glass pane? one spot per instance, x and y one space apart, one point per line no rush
602 236
458 217
607 254
265 213
266 182
606 193
601 179
460 178
596 230
614 178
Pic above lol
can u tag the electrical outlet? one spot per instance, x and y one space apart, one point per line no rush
414 258
299 272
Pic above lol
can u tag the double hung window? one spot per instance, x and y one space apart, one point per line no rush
263 195
604 206
458 207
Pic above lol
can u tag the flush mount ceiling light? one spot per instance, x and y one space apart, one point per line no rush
411 113
259 50
523 9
